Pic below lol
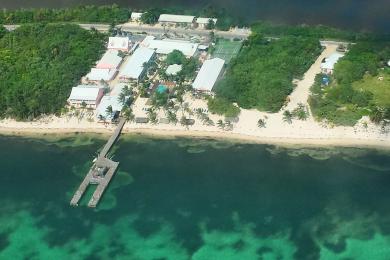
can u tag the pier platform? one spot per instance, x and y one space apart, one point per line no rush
100 173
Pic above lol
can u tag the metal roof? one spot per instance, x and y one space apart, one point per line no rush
107 101
204 20
101 74
118 43
135 64
331 60
85 92
173 18
110 60
167 46
208 74
173 69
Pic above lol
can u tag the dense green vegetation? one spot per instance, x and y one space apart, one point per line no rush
318 31
102 14
222 106
261 76
187 71
39 64
3 31
225 20
358 86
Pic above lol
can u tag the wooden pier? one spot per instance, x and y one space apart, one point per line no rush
100 173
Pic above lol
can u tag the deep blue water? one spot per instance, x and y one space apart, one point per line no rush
351 14
194 199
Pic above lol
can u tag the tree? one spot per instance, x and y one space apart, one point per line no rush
210 25
222 106
175 57
301 112
152 115
128 114
172 118
62 53
220 124
287 116
151 16
109 111
261 123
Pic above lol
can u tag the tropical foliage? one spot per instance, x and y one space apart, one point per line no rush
360 86
90 13
261 76
39 65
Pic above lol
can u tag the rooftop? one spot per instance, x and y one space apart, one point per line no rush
136 15
135 64
85 92
331 60
167 46
110 60
101 74
208 74
173 69
107 101
204 20
118 43
176 18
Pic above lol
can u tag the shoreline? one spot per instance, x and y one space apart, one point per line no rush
197 134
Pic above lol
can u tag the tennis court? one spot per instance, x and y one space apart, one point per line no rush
226 49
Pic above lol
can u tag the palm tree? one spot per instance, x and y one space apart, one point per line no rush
128 114
152 115
228 125
287 116
172 118
261 123
109 110
220 124
122 98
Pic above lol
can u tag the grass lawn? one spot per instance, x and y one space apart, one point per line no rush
379 88
226 49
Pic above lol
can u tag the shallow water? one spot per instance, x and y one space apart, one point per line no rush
194 199
371 15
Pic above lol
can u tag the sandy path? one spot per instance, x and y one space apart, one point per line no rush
302 91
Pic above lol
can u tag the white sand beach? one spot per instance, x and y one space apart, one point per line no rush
308 132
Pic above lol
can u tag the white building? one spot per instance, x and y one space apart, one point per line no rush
136 17
173 19
118 43
105 102
202 22
328 65
85 94
97 75
134 68
110 60
173 69
208 75
167 46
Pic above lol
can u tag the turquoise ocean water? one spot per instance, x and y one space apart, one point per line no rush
194 199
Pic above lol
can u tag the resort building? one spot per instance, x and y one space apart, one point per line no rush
118 43
167 46
173 19
328 65
87 95
110 60
136 17
173 69
97 75
134 69
208 75
106 101
203 22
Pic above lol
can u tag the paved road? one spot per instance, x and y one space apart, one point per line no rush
158 30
